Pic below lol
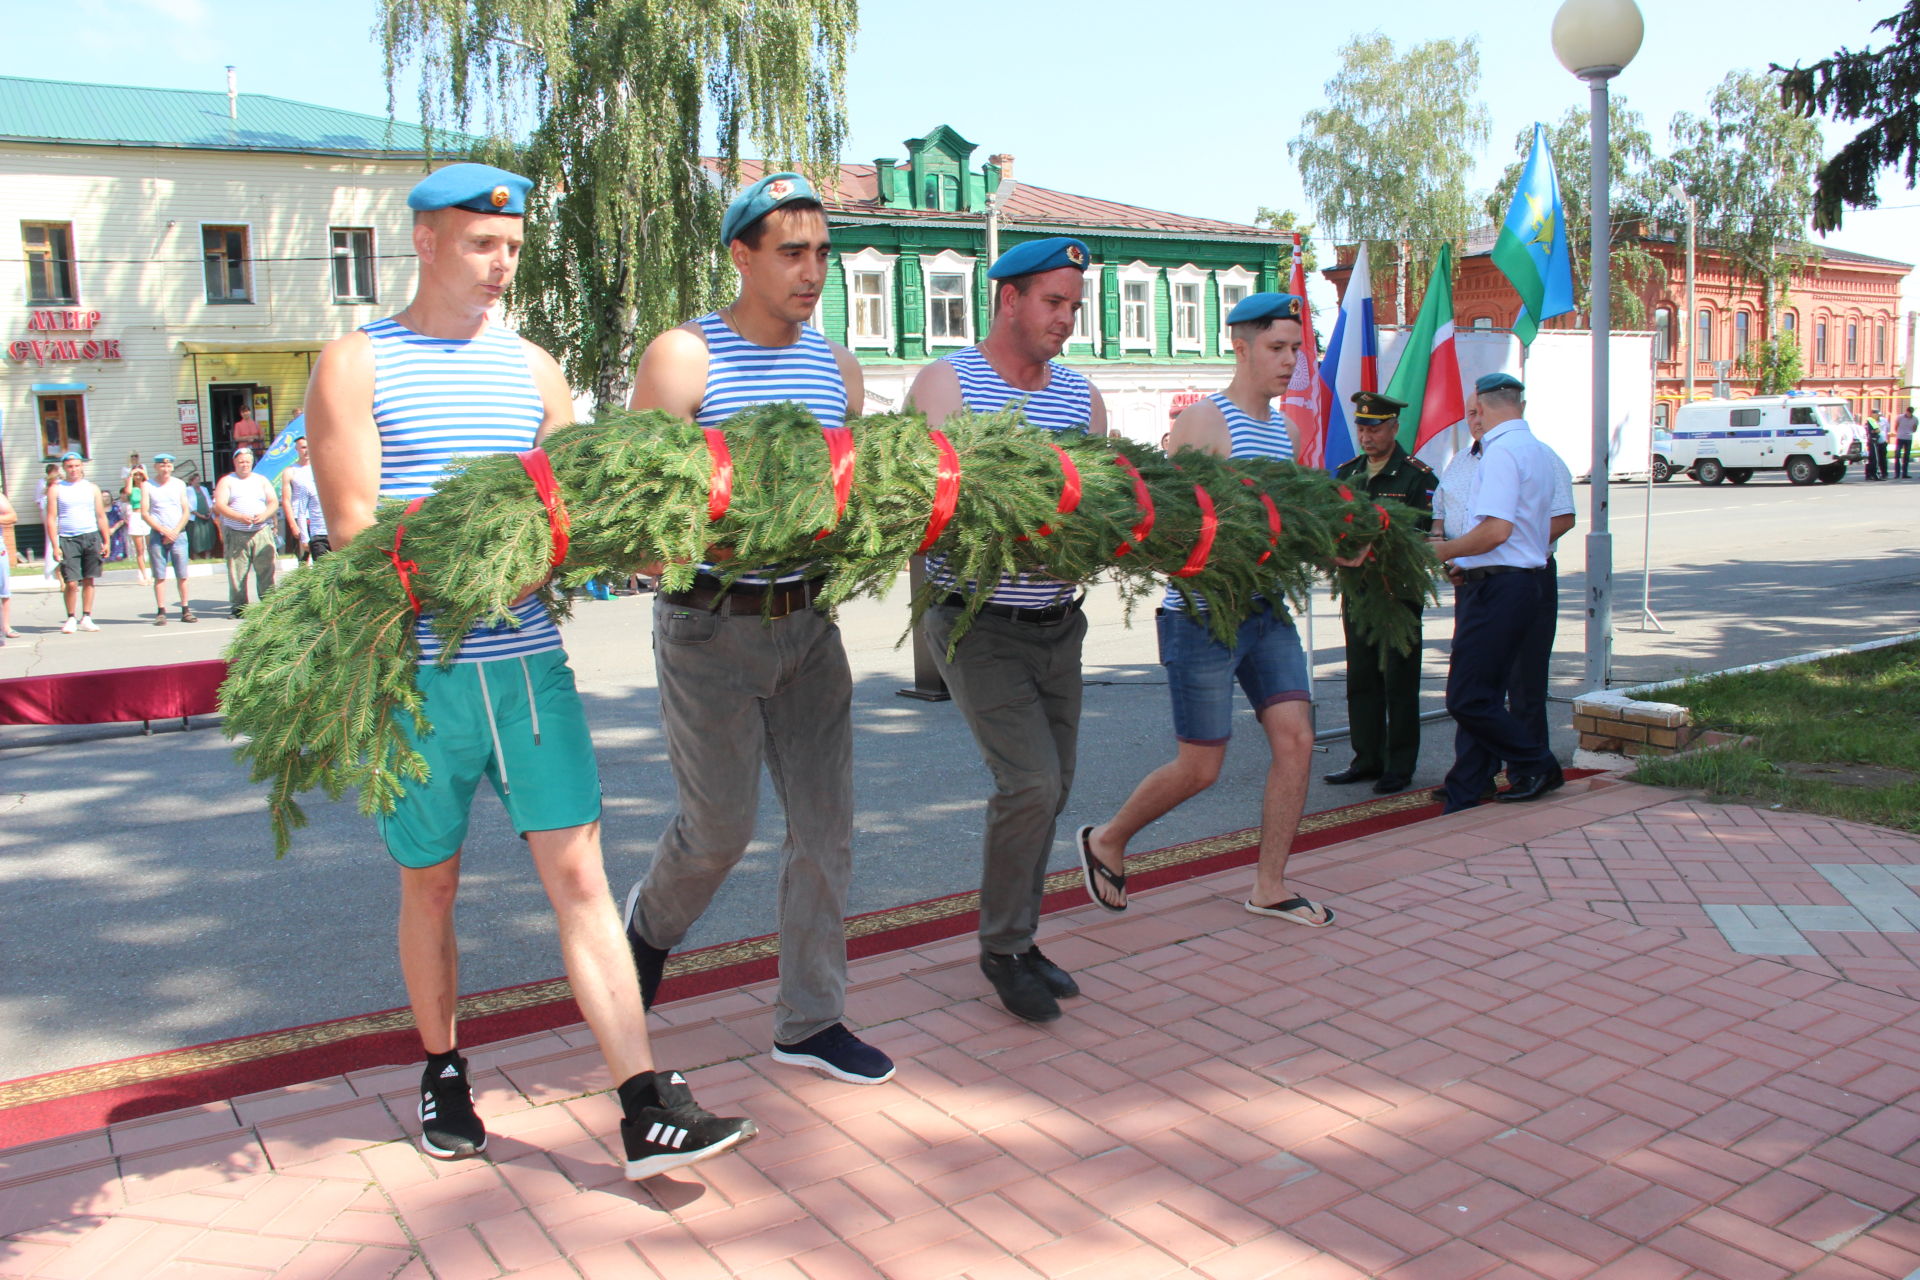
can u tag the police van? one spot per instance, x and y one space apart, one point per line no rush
1811 438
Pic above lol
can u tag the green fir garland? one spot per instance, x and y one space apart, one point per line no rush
329 657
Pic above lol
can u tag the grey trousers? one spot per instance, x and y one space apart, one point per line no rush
249 553
1017 684
736 691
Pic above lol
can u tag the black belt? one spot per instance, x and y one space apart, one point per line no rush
1488 571
1021 613
772 600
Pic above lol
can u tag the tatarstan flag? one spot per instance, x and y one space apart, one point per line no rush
1427 378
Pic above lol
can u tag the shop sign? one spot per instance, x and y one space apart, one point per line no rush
189 421
1182 401
57 350
189 433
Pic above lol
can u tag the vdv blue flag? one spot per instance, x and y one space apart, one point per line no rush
1532 249
279 455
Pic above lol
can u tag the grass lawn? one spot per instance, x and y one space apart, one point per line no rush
1839 737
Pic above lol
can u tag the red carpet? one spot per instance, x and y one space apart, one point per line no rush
78 1099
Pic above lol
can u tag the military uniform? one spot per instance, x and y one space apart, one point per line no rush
1383 690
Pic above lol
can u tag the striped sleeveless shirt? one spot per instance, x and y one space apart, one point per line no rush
1064 404
1248 437
436 400
741 375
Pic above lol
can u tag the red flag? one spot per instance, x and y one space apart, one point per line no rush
1305 404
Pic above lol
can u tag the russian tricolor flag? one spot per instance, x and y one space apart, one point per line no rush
1351 364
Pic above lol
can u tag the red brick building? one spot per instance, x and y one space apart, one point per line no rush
1846 311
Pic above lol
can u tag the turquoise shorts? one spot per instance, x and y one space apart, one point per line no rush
518 723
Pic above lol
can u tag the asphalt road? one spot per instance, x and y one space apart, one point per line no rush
142 908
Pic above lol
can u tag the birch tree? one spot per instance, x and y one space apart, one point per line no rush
604 104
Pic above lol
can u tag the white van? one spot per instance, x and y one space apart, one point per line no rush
1809 437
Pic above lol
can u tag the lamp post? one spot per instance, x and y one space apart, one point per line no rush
1596 39
1680 193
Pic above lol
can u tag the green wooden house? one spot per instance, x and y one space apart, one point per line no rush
908 278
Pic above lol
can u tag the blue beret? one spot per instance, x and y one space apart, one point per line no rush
163 457
1030 256
1265 306
71 456
1498 382
478 187
760 199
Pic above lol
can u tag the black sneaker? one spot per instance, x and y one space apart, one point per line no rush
839 1053
449 1129
678 1132
1021 987
649 960
1058 980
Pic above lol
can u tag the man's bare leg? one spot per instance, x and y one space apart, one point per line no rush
1179 780
593 945
429 955
1289 727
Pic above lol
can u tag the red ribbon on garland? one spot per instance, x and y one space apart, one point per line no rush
1273 520
1069 488
1209 525
720 479
1141 496
1386 521
946 490
539 469
840 454
405 568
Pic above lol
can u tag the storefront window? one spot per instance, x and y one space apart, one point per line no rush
226 261
48 249
353 264
63 425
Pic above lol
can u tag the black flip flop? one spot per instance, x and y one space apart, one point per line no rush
1294 911
1091 867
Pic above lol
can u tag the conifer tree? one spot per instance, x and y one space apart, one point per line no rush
1880 86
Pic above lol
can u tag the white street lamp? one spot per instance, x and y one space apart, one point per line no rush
1596 39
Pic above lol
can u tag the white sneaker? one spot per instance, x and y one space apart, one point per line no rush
86 623
68 627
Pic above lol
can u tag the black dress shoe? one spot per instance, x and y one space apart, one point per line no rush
1350 774
1020 987
1391 782
1058 980
1532 786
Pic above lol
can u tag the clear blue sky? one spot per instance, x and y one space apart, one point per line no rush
1179 106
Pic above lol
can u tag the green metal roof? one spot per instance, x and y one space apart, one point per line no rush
115 115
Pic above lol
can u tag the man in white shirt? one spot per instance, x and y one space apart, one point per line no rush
1498 548
168 512
1903 427
302 503
245 504
77 510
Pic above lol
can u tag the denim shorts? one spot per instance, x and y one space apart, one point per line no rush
160 555
1266 658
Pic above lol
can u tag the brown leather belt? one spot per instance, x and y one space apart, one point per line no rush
775 600
1046 615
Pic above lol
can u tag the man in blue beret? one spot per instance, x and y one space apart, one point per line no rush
750 671
1266 658
391 407
1497 543
1015 676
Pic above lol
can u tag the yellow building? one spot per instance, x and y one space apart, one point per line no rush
182 257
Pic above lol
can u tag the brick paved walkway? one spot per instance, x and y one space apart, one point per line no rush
1529 1048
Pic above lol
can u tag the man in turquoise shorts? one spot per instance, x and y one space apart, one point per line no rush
391 406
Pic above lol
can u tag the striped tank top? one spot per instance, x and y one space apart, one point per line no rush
437 400
1248 437
1064 404
741 375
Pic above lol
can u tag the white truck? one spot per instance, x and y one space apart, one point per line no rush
1810 437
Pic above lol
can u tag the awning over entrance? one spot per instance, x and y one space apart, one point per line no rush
59 388
285 346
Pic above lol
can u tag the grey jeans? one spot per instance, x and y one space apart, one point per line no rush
736 691
1017 684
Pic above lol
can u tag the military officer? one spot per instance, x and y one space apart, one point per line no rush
1383 686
